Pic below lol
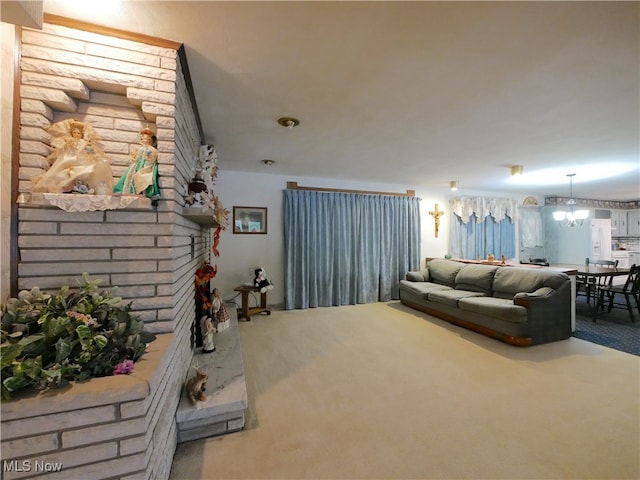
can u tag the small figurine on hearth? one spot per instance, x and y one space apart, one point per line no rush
219 310
208 330
196 385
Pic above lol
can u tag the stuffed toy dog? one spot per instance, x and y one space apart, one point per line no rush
261 281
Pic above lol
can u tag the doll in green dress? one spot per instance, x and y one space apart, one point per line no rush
142 175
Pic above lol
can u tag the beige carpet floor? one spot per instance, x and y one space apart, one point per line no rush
381 391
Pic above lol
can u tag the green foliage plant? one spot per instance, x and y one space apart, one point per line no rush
48 340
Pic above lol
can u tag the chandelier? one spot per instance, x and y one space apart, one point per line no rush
570 217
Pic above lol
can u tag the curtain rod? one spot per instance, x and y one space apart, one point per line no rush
295 186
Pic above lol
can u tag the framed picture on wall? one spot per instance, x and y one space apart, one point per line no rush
250 220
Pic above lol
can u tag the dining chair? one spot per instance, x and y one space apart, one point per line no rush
588 284
630 289
602 263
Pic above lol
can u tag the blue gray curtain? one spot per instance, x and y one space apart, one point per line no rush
347 248
475 239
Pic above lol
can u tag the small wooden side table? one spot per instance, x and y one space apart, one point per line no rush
246 312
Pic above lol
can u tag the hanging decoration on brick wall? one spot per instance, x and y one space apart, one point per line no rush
201 192
210 309
201 188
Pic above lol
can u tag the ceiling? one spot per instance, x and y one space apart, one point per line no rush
413 93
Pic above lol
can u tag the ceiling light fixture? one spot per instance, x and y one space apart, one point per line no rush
268 162
453 185
516 170
570 217
289 122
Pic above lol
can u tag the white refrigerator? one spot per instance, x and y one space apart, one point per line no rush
600 241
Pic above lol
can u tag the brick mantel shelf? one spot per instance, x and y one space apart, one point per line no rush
70 202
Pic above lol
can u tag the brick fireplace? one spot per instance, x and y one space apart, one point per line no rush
120 426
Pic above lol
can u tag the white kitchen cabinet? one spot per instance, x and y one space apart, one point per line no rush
622 257
619 223
633 222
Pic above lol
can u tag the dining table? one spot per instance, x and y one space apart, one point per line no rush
592 271
597 272
595 275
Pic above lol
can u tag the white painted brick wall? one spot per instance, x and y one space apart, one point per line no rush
73 86
35 106
48 423
34 444
35 133
127 430
103 433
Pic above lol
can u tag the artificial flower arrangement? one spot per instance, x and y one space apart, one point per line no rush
200 192
49 340
201 188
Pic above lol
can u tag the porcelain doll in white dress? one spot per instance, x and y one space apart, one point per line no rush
208 331
74 158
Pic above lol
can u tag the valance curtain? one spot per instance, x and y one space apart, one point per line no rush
347 248
482 207
481 226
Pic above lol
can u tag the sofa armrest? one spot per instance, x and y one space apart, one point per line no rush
548 312
524 298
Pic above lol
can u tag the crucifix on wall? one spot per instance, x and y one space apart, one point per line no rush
435 213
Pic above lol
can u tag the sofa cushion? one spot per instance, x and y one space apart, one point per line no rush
421 276
444 271
421 288
510 280
476 278
451 297
415 277
499 308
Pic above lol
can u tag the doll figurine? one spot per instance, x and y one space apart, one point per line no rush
142 175
208 330
220 312
75 157
196 386
261 281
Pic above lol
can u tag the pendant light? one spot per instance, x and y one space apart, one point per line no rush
570 217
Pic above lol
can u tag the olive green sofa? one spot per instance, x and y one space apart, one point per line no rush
519 305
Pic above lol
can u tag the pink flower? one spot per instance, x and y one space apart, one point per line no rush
123 367
81 317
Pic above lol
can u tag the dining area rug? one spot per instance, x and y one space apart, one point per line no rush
613 329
